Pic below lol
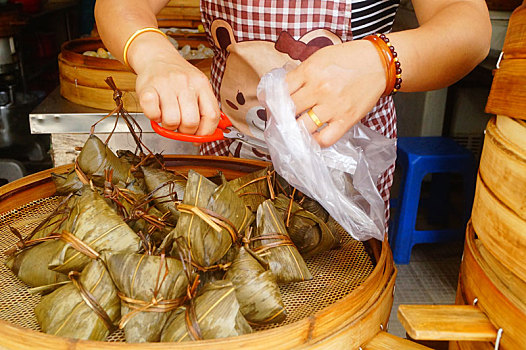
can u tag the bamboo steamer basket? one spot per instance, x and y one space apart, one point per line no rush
479 280
323 314
500 229
508 90
508 184
82 77
180 13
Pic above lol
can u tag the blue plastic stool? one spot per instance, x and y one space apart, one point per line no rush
419 156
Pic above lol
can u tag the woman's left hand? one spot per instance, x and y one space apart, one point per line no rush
341 84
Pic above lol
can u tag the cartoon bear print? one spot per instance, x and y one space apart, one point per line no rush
246 63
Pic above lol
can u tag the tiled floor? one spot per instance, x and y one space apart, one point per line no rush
430 278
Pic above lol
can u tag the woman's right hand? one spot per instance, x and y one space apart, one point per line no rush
171 90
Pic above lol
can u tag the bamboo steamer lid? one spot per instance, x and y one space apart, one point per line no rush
503 166
500 229
508 91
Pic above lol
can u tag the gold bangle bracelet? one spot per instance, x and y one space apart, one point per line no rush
132 38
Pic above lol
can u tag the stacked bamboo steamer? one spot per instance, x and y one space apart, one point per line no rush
180 13
82 77
493 269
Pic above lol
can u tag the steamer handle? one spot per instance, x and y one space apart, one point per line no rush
447 322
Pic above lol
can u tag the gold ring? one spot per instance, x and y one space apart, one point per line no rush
314 118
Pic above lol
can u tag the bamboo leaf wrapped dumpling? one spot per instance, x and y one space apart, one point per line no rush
256 289
310 234
254 188
62 218
31 265
143 280
96 157
217 315
66 183
100 228
84 309
272 239
210 220
166 188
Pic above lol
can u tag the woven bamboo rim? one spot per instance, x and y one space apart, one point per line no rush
475 283
503 168
349 322
501 230
513 130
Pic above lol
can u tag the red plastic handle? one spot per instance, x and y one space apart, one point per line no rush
224 123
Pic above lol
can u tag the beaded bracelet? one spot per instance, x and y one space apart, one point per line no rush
392 65
132 38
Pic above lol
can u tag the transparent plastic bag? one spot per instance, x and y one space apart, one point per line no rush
342 178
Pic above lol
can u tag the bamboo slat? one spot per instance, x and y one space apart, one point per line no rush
503 167
501 230
184 13
475 282
513 130
515 42
180 12
95 97
354 319
508 283
508 90
467 345
94 77
446 322
386 341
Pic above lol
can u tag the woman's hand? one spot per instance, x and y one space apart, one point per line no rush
172 91
341 84
178 96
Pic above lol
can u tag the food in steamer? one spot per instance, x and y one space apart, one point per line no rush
183 257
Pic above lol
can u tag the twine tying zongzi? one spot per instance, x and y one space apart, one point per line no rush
267 177
214 220
26 242
156 304
192 325
79 245
280 240
91 301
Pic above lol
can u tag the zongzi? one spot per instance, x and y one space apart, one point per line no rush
254 188
310 233
99 228
211 220
272 240
96 157
256 289
84 309
166 189
151 287
31 264
216 315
